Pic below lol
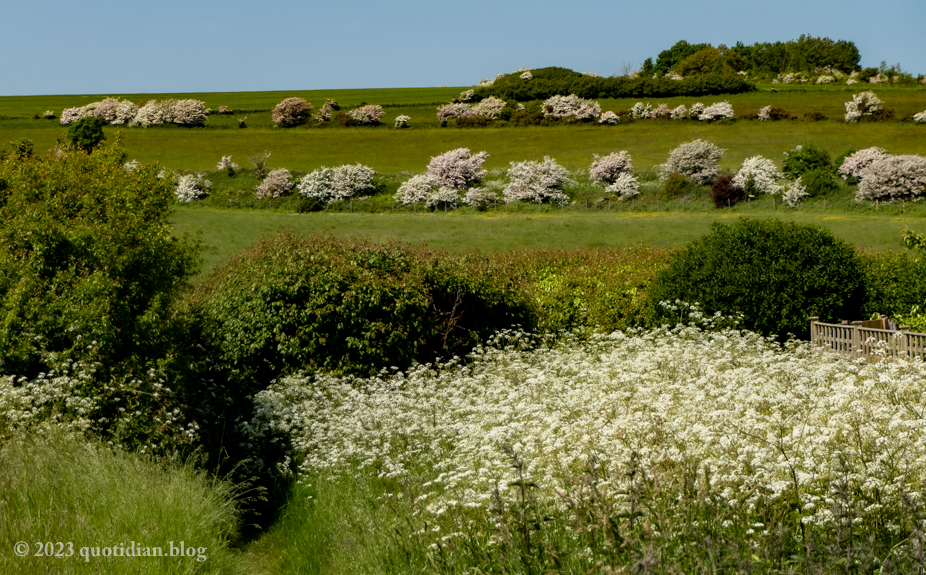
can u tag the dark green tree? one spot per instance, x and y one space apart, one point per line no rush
86 133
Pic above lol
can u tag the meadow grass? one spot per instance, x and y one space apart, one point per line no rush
388 150
54 488
227 232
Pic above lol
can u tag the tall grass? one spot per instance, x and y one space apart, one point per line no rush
59 489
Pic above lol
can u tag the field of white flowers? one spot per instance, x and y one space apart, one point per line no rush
769 424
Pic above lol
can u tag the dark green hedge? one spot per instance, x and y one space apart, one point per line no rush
511 87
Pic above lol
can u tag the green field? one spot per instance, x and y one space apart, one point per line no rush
392 151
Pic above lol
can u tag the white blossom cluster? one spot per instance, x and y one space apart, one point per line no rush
335 184
402 121
370 114
291 112
661 111
457 168
759 174
672 75
53 398
608 168
920 118
696 110
278 183
131 166
697 160
450 111
416 189
679 113
485 82
767 423
443 197
608 117
794 193
225 163
481 197
641 111
571 105
765 113
893 178
625 186
326 111
825 79
853 165
490 107
537 182
467 95
863 104
111 110
716 111
191 187
182 112
526 75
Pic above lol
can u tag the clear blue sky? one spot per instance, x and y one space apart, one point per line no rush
109 46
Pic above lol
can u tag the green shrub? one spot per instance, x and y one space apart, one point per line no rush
814 116
777 274
86 133
675 186
896 282
819 182
22 149
804 158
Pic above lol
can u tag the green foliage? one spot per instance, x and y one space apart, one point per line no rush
896 282
22 149
804 158
86 133
88 263
509 88
675 186
777 274
669 59
913 240
819 182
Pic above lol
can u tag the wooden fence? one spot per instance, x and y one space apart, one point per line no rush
866 338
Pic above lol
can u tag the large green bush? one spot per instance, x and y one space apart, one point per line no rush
777 274
86 133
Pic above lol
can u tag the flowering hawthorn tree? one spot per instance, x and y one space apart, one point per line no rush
188 112
716 111
696 110
697 160
225 163
416 189
608 168
759 174
765 114
679 113
571 105
794 192
292 112
442 197
609 117
402 121
920 118
526 75
863 104
191 187
327 110
278 183
641 111
480 197
467 95
368 115
893 178
661 111
853 165
537 182
457 168
490 107
625 186
450 111
334 184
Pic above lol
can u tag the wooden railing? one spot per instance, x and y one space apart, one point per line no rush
868 338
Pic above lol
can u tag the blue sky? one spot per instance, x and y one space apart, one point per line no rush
110 47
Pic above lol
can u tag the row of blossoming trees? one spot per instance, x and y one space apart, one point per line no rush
457 177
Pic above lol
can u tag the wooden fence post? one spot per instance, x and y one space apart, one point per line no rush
813 330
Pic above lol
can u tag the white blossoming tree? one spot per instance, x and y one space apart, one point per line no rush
716 111
571 105
330 185
625 186
697 160
794 193
369 115
278 183
191 187
759 174
537 182
853 165
608 168
490 107
416 189
893 178
863 105
457 168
